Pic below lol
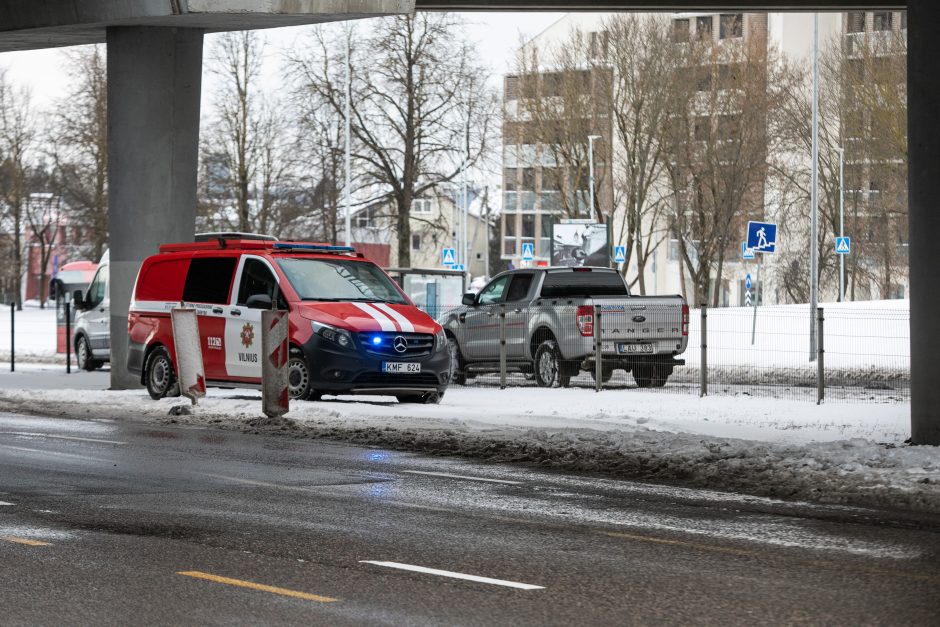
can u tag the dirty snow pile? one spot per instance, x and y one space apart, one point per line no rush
837 453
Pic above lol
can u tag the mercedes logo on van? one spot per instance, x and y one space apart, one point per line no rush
639 318
400 344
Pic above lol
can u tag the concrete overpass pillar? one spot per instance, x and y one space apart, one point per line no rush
154 88
923 132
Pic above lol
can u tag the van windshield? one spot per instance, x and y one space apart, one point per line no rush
338 280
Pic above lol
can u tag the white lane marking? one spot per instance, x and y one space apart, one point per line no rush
404 322
54 453
5 503
453 575
384 323
450 476
59 437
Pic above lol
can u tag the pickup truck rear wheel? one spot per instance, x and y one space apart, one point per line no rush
651 376
549 370
606 374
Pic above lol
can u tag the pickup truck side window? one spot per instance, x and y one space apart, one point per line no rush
583 283
519 287
493 293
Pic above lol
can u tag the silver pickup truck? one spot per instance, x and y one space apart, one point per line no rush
546 316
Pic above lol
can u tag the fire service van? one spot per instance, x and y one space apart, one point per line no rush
352 329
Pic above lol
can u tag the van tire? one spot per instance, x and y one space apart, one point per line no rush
160 375
83 355
299 379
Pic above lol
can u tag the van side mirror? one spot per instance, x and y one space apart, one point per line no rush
259 301
469 299
78 299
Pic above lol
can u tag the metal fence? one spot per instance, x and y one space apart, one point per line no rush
861 352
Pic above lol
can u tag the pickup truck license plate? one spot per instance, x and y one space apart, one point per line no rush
401 367
626 349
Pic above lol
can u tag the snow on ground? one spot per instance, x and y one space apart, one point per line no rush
35 333
853 454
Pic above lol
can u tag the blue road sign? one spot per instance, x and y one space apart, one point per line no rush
843 245
528 251
747 282
458 266
762 237
620 254
746 253
449 256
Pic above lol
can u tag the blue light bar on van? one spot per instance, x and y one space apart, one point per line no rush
324 248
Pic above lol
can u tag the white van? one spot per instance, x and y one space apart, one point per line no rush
92 338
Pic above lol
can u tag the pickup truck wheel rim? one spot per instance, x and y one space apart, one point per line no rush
547 367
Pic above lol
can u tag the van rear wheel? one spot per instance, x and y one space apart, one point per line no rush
160 375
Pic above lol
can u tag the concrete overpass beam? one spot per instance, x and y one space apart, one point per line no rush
154 86
923 134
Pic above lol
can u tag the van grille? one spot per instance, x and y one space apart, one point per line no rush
416 344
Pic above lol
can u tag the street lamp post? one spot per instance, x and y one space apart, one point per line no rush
348 146
591 139
814 201
841 222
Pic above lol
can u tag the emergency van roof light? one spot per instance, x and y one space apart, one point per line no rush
327 248
211 237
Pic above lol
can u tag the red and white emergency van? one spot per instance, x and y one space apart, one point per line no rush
352 329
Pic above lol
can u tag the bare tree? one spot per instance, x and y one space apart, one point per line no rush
78 140
44 216
245 153
17 142
421 110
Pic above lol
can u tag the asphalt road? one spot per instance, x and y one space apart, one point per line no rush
118 523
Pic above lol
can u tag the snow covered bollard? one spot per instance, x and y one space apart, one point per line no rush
274 394
189 366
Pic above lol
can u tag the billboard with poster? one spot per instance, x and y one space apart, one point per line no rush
580 243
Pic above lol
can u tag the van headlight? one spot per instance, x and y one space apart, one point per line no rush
341 337
440 340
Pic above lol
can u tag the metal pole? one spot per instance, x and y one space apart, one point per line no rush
502 347
348 141
68 337
814 229
13 336
841 223
756 302
466 215
820 354
703 369
598 351
591 139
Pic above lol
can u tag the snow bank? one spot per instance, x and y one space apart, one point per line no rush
847 454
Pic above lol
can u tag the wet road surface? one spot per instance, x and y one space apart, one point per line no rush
115 523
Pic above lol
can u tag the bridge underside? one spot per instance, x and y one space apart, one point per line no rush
154 74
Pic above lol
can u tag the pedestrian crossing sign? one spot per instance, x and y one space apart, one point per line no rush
843 245
449 256
528 251
620 254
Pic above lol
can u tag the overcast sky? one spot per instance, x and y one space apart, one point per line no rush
497 34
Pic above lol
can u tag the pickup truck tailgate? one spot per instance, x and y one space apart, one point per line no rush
659 323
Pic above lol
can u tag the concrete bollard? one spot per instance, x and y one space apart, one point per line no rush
275 399
190 370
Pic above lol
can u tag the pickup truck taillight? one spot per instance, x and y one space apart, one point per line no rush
586 320
685 320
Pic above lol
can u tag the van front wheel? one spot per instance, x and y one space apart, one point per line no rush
160 375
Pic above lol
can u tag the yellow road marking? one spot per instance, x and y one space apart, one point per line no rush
25 541
257 586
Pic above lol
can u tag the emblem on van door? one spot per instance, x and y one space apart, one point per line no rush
639 318
248 335
400 344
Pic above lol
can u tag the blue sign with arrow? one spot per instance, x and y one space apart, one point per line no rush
762 237
747 282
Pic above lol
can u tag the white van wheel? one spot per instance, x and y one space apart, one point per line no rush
83 355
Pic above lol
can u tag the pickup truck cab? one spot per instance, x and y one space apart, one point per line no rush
351 328
546 317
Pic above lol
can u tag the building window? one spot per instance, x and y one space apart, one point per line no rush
509 235
731 26
599 44
512 87
364 219
903 20
421 205
881 20
680 31
415 241
703 27
509 202
855 22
